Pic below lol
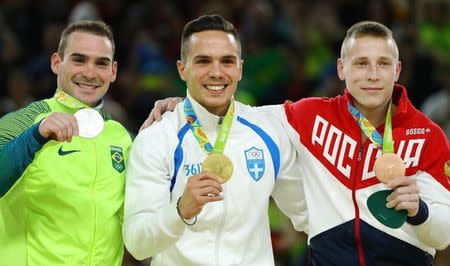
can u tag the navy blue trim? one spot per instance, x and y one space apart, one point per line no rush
178 154
36 135
337 246
421 216
273 148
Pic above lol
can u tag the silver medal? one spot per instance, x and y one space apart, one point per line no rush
90 123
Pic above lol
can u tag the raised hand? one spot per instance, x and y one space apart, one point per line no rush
405 195
160 107
59 126
199 190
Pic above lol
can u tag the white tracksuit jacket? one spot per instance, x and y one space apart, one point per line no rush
234 231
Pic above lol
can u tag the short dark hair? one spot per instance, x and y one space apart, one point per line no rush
95 27
204 23
371 29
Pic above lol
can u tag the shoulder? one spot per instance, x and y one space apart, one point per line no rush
29 113
165 130
312 103
418 124
249 115
303 112
24 118
15 123
267 123
416 118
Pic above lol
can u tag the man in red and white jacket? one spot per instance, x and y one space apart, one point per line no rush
338 168
337 160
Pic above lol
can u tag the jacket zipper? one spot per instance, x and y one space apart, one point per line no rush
94 231
219 124
222 221
220 230
357 226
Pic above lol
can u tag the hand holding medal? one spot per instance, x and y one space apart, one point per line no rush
387 167
206 186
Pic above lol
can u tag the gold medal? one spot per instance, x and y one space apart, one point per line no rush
219 164
389 166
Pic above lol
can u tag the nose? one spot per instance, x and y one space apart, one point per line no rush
373 72
90 71
215 70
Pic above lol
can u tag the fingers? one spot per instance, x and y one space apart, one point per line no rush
401 181
160 107
173 103
147 122
199 190
59 126
405 195
72 129
207 179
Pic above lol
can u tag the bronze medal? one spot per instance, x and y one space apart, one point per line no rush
219 164
389 166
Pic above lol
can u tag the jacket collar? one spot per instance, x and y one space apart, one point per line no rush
208 121
399 99
68 100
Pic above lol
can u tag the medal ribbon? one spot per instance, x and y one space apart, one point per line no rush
385 143
66 99
200 134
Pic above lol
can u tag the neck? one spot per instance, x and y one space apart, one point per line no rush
376 116
219 111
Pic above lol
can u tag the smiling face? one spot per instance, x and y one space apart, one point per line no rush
211 69
369 67
87 68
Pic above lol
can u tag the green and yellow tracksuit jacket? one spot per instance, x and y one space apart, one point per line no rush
60 202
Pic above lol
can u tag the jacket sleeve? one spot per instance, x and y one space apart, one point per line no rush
19 141
433 178
151 221
288 192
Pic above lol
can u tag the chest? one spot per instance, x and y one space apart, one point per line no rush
338 145
255 157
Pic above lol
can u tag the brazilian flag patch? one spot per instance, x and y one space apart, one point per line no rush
117 158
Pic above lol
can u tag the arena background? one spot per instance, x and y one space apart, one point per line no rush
289 47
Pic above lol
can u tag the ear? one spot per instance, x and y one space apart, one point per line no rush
55 62
241 65
398 69
340 68
181 68
114 71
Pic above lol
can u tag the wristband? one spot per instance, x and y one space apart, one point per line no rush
179 214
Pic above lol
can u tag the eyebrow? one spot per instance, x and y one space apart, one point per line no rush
197 57
366 57
229 57
103 58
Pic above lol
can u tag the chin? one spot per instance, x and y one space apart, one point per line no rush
372 105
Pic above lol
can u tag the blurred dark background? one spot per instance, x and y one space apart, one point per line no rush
289 48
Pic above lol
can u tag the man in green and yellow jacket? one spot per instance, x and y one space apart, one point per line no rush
62 190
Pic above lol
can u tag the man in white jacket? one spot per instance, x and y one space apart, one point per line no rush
199 182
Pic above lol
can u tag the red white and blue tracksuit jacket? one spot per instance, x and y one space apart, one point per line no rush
339 178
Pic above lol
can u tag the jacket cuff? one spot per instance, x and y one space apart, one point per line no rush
36 135
421 216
